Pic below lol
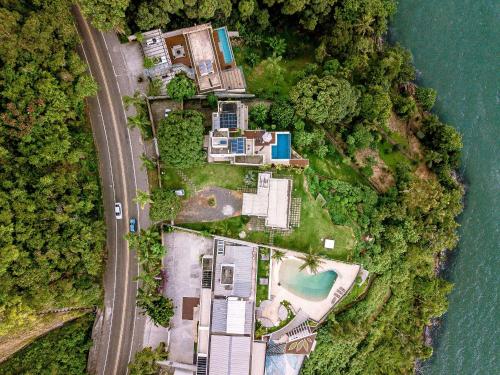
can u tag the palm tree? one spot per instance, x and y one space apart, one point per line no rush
142 198
148 281
311 261
278 255
364 25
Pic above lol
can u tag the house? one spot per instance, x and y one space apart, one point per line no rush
227 310
271 202
204 54
231 141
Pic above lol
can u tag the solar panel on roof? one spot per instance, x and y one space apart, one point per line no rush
238 145
228 120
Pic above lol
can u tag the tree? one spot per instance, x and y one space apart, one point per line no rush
52 231
155 87
277 45
143 198
281 114
324 101
405 106
212 100
166 205
158 308
312 261
426 96
140 121
144 362
180 139
376 105
181 88
331 67
258 115
106 15
246 8
278 255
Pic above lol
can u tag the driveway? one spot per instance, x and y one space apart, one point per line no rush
183 267
211 204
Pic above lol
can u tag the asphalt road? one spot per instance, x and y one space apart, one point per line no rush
122 330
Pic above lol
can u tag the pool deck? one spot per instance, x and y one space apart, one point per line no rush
346 276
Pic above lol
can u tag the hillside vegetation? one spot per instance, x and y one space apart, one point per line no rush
51 227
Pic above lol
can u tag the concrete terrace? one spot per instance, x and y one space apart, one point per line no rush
316 310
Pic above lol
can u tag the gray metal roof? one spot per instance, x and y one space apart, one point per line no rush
230 355
219 316
243 258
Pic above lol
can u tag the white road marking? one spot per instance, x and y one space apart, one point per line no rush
135 183
116 223
125 203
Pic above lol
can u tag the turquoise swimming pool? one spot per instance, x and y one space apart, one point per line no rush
301 283
224 45
282 149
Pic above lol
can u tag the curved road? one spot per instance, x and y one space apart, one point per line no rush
121 333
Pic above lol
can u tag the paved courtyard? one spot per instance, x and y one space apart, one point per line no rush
183 268
211 204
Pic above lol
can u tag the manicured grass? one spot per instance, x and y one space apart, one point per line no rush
315 226
223 175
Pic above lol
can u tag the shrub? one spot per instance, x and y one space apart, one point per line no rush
180 139
258 115
281 114
166 205
426 97
148 63
181 87
212 100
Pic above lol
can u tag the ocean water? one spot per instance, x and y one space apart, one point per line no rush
456 49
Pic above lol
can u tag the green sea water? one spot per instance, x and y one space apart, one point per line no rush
456 49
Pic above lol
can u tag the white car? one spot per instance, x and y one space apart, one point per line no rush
118 211
167 111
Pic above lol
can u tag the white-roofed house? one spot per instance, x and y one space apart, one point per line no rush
271 202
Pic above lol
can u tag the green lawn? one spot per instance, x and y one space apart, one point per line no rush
315 226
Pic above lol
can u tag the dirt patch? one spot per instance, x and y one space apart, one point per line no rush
382 177
211 204
407 129
424 172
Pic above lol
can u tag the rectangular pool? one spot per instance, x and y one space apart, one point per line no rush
225 46
282 148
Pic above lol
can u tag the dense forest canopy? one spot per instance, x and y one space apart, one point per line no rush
61 351
52 233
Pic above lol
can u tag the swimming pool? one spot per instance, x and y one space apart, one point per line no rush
282 148
302 283
224 45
